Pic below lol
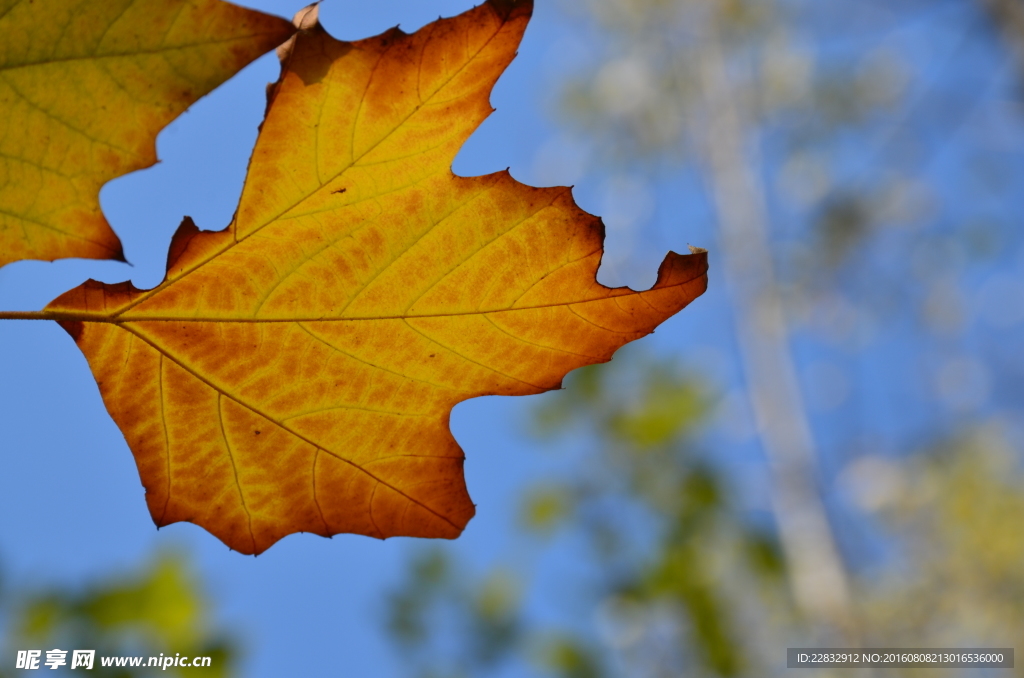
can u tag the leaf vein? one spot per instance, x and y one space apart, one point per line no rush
234 466
298 435
468 359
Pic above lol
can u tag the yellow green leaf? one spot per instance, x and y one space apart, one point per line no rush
296 371
85 87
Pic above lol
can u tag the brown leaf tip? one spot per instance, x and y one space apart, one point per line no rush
510 9
118 254
307 17
679 269
179 243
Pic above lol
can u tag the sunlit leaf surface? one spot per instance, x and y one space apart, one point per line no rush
85 87
296 371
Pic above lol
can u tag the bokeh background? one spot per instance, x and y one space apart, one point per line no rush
823 450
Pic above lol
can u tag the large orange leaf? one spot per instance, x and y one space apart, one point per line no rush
85 86
296 371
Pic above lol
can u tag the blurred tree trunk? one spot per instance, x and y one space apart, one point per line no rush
818 576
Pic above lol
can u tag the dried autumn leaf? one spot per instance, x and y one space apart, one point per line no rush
296 371
85 87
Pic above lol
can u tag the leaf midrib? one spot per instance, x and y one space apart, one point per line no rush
120 55
120 320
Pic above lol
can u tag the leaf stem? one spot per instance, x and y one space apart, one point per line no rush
32 315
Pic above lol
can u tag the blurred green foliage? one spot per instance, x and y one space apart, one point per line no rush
705 594
665 537
159 610
956 515
485 612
